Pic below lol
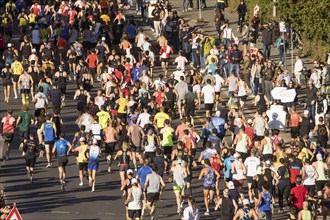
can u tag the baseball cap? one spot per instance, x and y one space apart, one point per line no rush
94 141
268 163
306 112
82 139
129 171
249 121
103 38
319 157
246 202
231 185
134 181
218 113
179 161
9 45
236 155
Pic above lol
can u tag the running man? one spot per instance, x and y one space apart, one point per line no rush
30 150
62 148
48 130
153 185
93 154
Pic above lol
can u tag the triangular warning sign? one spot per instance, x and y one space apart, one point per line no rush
14 214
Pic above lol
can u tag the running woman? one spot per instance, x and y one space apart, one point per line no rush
124 156
93 154
210 176
82 159
62 148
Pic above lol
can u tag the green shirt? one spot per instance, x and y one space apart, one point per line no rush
25 122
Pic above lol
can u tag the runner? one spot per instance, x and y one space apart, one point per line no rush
124 155
134 201
154 184
8 129
30 154
62 148
82 158
210 176
47 134
92 154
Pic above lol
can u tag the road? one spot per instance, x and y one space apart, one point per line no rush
44 200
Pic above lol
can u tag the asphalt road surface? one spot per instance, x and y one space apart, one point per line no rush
43 199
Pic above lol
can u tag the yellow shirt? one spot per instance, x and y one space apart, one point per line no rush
121 105
160 118
17 68
81 156
105 18
103 118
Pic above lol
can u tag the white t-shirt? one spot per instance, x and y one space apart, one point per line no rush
218 81
143 119
188 214
252 163
41 100
178 74
208 92
159 83
96 129
181 62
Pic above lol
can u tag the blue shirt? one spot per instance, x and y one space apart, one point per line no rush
228 161
61 147
265 202
142 173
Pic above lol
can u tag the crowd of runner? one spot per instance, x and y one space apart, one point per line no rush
127 107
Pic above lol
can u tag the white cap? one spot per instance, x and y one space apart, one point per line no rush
63 2
249 121
218 113
319 157
231 185
94 141
268 163
134 181
179 160
306 112
246 202
236 155
82 139
103 38
33 50
9 45
129 171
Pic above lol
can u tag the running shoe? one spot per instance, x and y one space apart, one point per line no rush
81 183
48 165
207 213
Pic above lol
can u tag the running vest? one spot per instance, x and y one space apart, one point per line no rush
49 133
268 147
294 119
242 144
209 178
7 127
25 82
246 214
167 137
124 158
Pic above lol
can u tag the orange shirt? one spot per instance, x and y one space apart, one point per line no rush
92 60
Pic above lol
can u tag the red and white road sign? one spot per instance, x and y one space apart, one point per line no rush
14 214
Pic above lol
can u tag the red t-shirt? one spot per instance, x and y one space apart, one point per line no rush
92 60
299 193
118 74
250 133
